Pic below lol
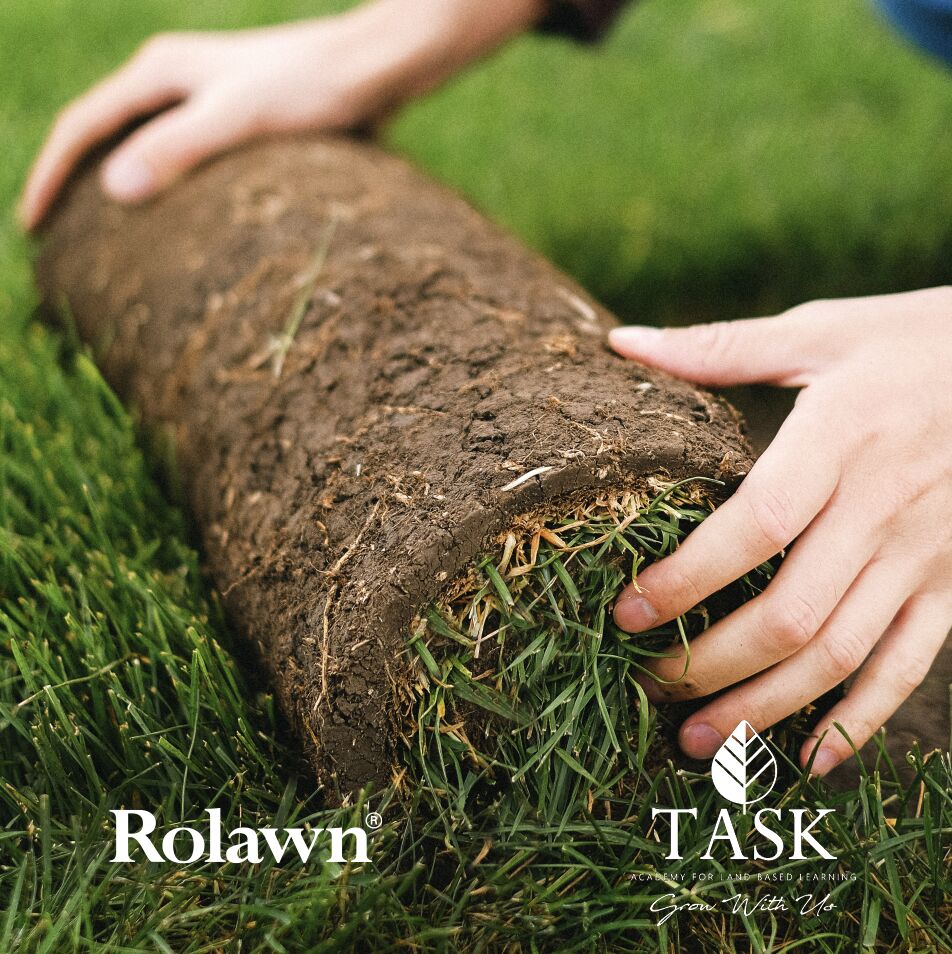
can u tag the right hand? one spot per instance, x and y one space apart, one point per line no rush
211 91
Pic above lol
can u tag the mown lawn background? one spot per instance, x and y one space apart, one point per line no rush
712 158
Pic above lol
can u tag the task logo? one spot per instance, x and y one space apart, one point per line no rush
744 771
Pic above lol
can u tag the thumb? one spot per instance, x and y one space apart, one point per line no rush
168 146
768 350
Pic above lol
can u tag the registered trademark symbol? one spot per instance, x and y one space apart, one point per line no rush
373 820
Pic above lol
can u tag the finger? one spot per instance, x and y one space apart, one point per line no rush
775 503
836 652
770 350
821 567
900 662
104 110
162 150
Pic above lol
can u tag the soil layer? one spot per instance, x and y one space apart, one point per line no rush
359 372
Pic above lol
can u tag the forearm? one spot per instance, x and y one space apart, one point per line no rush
420 43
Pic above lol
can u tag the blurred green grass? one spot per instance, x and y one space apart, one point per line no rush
712 157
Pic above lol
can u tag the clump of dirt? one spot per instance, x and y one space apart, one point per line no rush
367 384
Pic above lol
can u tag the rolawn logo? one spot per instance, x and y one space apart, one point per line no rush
185 845
744 772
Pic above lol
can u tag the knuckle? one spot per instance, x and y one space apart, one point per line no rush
756 711
939 297
843 652
151 47
713 341
911 674
904 493
67 120
682 589
158 48
808 308
793 623
773 516
811 318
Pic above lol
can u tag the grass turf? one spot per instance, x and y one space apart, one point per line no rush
535 752
713 156
528 696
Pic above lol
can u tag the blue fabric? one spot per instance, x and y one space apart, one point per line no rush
927 23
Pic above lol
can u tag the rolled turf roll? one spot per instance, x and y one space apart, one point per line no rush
368 384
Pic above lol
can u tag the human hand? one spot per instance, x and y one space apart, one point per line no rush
860 475
216 90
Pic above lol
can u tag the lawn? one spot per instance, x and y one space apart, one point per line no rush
712 157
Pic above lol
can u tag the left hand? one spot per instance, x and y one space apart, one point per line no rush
214 90
860 475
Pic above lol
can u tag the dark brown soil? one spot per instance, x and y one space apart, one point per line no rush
437 361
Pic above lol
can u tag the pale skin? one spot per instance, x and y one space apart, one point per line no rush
215 90
860 474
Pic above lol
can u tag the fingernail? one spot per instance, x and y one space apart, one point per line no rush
633 336
700 741
634 613
825 761
127 178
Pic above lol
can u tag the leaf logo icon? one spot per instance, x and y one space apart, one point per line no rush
742 765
